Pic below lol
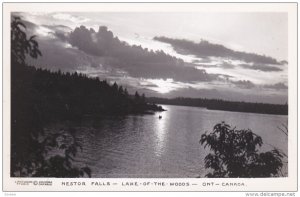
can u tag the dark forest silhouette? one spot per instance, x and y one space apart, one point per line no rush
218 104
40 97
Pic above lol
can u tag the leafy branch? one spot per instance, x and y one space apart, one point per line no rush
236 153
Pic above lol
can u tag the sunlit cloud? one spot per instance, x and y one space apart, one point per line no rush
69 17
45 32
164 86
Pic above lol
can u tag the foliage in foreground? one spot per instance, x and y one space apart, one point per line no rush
35 153
235 153
51 155
40 97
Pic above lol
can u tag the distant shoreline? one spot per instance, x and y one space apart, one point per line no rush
223 105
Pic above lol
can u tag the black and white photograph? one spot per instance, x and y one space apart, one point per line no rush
156 94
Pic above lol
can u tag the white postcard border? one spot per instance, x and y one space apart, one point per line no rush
144 184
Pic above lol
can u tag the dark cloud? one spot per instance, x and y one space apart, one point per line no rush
207 66
227 66
57 57
261 67
207 49
149 85
224 76
59 28
277 86
244 84
29 25
60 31
91 49
203 60
223 65
137 61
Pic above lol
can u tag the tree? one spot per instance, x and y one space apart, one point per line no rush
115 87
20 45
30 145
236 154
137 96
284 128
121 91
58 165
143 98
126 94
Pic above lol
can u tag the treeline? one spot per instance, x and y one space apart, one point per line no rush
65 96
217 104
40 97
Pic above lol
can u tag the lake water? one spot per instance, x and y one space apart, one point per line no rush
142 146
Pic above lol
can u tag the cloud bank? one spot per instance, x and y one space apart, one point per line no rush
135 60
207 49
217 73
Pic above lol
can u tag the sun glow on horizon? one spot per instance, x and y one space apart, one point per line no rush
163 86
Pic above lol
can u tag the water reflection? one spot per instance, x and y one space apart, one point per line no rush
160 129
144 146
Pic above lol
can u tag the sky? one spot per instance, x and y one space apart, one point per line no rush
232 56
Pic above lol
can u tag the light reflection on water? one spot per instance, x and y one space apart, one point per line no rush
160 125
146 146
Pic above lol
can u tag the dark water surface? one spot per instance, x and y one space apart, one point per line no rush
146 146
